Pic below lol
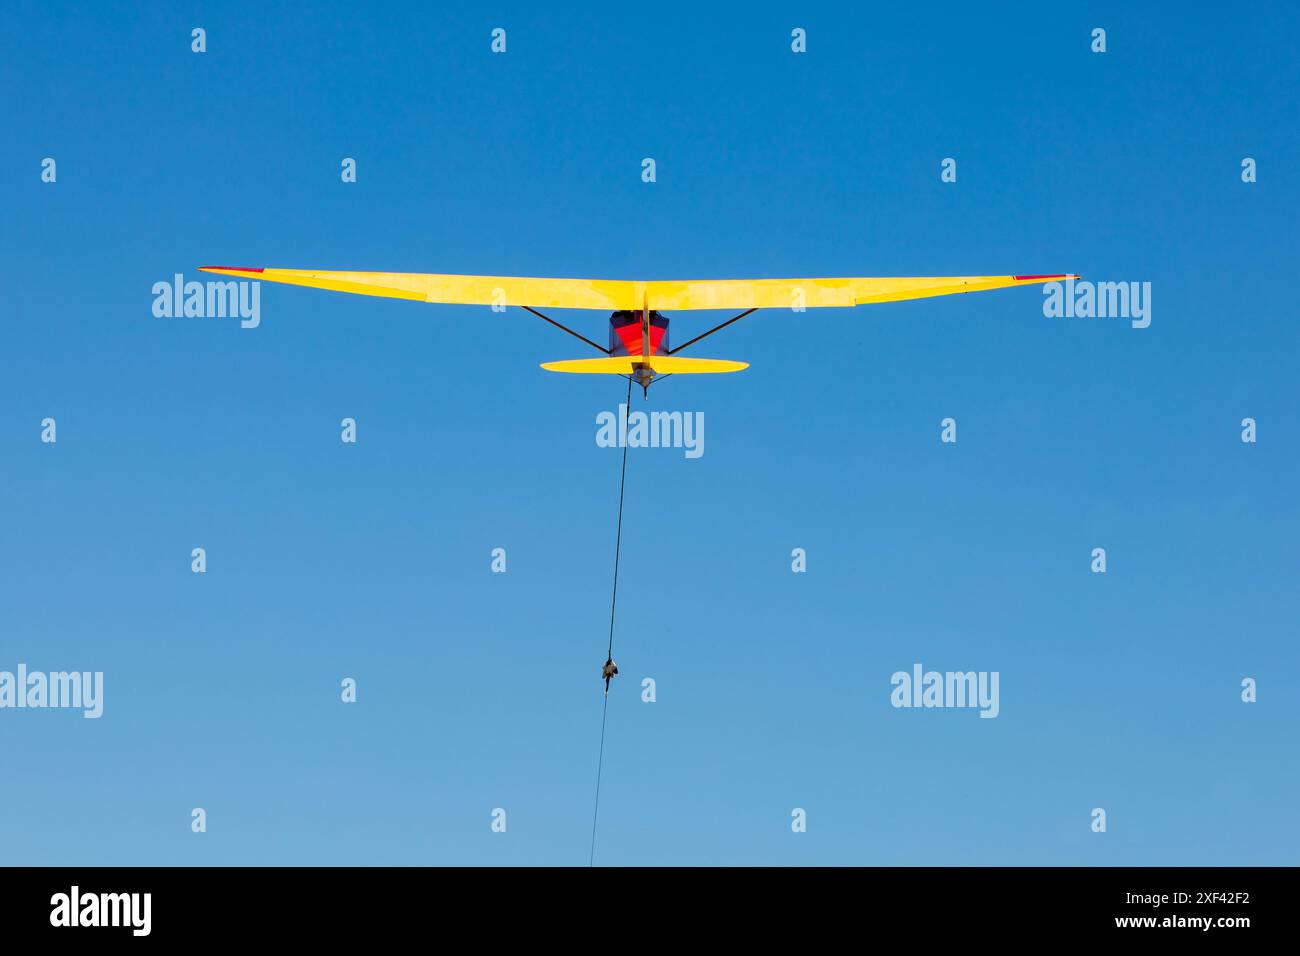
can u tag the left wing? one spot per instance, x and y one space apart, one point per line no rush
605 294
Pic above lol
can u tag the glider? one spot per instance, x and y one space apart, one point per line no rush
638 329
638 333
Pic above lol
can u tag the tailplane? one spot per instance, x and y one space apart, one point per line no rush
659 364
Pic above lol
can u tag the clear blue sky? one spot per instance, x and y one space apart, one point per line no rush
478 690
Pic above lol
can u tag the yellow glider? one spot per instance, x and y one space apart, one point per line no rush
638 334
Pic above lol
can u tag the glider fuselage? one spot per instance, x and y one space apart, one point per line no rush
628 336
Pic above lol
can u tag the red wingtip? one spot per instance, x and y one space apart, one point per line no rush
230 269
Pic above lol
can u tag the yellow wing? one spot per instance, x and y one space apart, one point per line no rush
604 294
615 294
819 293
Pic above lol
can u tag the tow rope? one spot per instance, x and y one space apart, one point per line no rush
609 654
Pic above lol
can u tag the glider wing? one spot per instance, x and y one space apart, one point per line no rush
615 295
819 293
604 294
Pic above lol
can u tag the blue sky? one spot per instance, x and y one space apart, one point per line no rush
480 690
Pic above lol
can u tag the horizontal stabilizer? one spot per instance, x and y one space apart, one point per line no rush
661 364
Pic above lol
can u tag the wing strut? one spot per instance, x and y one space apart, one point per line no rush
711 331
565 328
